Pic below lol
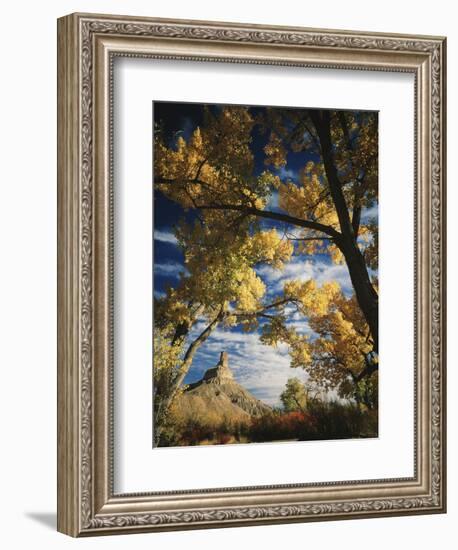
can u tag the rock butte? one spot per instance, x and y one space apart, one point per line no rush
219 397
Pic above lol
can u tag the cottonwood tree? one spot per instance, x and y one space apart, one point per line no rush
220 287
339 356
334 189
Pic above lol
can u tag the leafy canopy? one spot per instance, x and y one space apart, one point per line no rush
320 212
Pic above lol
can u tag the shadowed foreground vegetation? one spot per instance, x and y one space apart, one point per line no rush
322 420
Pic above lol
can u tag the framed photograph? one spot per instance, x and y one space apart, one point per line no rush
251 291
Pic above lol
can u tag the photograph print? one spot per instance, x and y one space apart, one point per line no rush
265 274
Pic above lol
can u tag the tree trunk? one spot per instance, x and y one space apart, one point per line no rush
365 293
183 371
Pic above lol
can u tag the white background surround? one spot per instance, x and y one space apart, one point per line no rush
28 274
136 83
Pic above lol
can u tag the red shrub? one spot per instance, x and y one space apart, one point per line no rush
280 426
224 438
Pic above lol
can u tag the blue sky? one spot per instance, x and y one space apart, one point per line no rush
263 370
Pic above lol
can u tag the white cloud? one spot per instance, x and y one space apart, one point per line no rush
286 173
303 270
369 213
272 203
172 269
300 324
165 237
262 370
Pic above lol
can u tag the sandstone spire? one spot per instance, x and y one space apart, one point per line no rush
221 372
220 396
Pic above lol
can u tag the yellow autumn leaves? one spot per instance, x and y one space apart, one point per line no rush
337 338
223 274
214 161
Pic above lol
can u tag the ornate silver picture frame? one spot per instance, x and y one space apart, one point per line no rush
87 47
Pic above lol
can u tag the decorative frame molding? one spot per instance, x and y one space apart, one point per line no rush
87 45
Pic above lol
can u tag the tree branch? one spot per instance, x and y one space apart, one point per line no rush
309 224
275 216
371 367
310 238
273 305
170 181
